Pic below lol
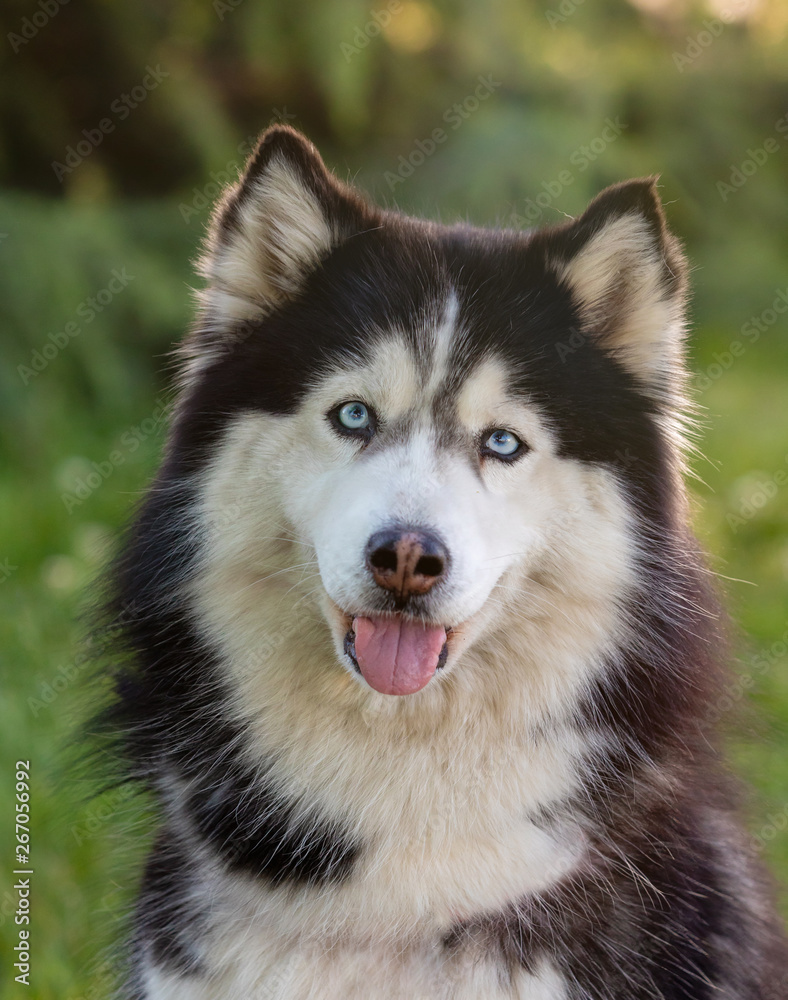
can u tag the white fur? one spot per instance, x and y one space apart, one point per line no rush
444 338
353 974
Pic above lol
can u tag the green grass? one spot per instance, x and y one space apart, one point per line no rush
80 410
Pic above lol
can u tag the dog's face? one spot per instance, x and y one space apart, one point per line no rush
428 434
419 492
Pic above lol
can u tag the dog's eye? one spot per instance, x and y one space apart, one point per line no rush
504 444
354 418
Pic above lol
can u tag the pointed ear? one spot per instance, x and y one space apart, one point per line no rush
627 276
273 228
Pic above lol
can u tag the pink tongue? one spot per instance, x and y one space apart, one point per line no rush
395 655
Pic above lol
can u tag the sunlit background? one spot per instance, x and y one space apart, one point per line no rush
120 123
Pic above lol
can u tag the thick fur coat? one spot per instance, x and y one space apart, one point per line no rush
467 443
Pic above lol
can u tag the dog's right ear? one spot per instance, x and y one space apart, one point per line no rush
272 229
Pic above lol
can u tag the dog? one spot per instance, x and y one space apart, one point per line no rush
423 665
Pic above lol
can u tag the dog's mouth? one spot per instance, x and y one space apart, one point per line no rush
396 654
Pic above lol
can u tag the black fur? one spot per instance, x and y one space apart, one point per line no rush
166 921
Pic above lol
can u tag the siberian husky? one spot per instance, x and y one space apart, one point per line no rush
424 663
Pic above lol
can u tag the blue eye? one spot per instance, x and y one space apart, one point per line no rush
354 418
502 444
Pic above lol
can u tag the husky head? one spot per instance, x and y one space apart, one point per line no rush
412 440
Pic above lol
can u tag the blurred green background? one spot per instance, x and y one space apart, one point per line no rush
120 123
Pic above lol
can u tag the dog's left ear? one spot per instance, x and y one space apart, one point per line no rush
273 228
627 275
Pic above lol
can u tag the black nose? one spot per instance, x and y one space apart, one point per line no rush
407 561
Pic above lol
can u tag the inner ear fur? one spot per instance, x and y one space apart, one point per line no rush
273 227
628 278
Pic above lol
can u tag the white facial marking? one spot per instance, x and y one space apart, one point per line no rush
444 339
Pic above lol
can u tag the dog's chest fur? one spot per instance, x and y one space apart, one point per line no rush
259 966
386 931
450 822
